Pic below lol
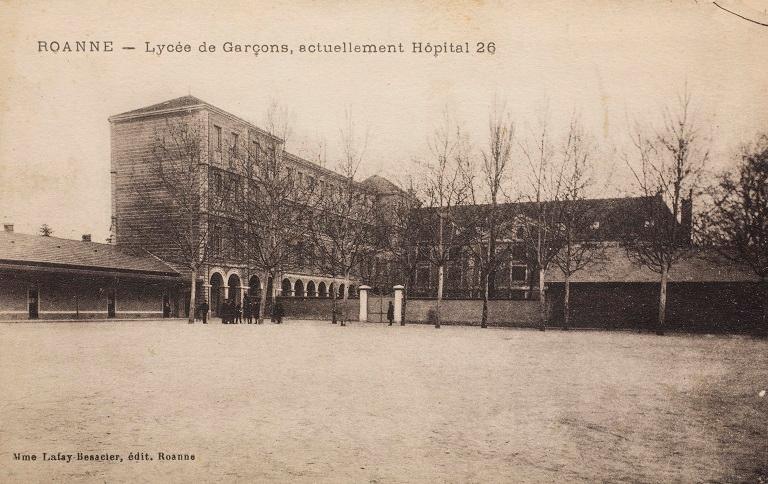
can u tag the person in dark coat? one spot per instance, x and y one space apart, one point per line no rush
278 312
204 312
238 314
248 311
391 313
225 312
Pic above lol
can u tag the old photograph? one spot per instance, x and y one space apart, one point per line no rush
451 241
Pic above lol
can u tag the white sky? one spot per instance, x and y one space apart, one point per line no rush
611 61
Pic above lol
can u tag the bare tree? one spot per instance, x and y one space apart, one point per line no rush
398 226
491 216
577 222
275 206
447 187
539 228
174 191
737 223
666 166
343 226
46 230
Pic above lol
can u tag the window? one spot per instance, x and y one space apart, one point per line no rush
648 224
595 225
519 273
216 240
235 139
218 138
520 232
219 184
422 275
256 148
518 252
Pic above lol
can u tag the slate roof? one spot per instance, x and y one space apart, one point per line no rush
698 267
179 102
18 248
381 185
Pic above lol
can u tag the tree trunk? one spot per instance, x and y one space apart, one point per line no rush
567 303
405 301
486 292
440 273
762 330
191 319
542 302
333 307
344 297
662 301
263 297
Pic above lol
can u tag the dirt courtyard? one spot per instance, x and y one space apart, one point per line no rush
314 402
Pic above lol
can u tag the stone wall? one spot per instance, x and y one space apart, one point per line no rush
469 311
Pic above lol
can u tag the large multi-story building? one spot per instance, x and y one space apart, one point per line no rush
222 141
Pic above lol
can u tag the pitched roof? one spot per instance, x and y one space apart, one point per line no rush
53 251
179 102
617 267
381 184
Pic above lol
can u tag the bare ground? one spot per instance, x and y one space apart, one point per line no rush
314 402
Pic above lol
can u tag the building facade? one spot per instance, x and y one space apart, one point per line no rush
48 278
225 146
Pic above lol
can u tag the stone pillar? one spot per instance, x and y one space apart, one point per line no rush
363 315
226 292
243 289
398 303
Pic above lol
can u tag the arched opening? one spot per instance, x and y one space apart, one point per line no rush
322 290
311 292
234 288
298 288
217 293
331 289
341 291
352 292
286 289
254 289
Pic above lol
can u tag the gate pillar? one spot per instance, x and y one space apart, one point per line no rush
363 315
398 303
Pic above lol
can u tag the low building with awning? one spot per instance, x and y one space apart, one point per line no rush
53 278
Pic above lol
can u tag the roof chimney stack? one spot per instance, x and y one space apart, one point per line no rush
8 227
86 237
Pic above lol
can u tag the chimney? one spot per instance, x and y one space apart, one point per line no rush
686 217
86 237
8 227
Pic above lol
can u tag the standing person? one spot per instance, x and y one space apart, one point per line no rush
204 312
248 311
278 312
390 313
238 314
225 312
256 309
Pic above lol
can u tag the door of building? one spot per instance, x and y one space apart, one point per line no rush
33 299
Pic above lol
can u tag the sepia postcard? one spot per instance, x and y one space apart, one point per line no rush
452 241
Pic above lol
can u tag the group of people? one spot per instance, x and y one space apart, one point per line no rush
233 313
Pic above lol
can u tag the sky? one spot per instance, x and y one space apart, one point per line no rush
613 63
